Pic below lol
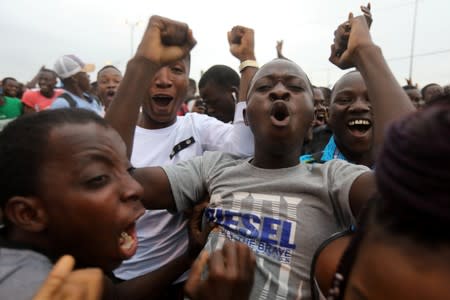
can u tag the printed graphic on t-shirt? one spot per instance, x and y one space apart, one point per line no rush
266 229
268 224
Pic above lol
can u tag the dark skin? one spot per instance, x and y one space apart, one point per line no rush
219 101
320 111
47 82
97 182
165 44
350 103
242 46
279 113
32 84
108 80
78 84
11 88
389 102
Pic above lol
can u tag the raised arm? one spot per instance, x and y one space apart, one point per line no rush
33 82
164 42
388 100
279 49
353 47
242 46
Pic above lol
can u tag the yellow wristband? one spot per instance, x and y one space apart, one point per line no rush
248 63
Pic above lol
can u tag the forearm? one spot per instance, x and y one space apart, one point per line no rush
246 77
124 110
32 83
151 285
388 100
157 189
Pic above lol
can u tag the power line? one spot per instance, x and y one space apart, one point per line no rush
419 55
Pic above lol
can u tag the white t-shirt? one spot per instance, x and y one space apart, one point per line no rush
163 236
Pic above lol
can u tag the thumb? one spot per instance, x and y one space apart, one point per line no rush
192 286
56 278
350 16
229 38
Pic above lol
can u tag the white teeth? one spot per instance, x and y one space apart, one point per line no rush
126 241
358 122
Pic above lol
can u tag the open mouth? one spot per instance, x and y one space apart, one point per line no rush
320 116
359 127
128 241
279 113
110 94
162 100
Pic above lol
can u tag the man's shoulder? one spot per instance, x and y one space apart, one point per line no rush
30 93
218 160
200 119
12 100
23 271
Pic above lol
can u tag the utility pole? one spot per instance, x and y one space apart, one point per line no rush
413 41
132 27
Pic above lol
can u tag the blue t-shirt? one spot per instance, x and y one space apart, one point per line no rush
89 103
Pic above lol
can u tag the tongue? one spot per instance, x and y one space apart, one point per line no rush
357 131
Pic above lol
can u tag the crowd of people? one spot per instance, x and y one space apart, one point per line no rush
260 185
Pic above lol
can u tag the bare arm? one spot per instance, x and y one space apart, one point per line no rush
157 191
164 41
33 82
388 99
148 286
353 47
279 48
123 111
242 46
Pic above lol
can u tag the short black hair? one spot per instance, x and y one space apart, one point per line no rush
425 88
220 75
409 87
49 71
108 67
24 144
334 86
6 79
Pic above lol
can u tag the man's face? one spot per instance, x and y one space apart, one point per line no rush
108 82
83 81
91 199
219 102
351 115
166 94
280 108
320 111
432 91
47 82
11 88
415 96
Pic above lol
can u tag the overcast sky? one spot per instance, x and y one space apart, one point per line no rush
36 33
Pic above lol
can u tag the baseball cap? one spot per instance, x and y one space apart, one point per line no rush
69 65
